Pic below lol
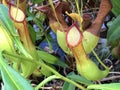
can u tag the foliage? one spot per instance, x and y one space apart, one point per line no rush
11 78
22 61
114 31
116 7
111 86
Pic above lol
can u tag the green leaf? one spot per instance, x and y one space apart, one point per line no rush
30 15
29 18
113 35
79 79
41 16
12 80
76 78
39 23
68 86
6 20
116 7
51 59
112 86
32 33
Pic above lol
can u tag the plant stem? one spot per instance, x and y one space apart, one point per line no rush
46 80
45 66
99 60
77 5
62 77
79 12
